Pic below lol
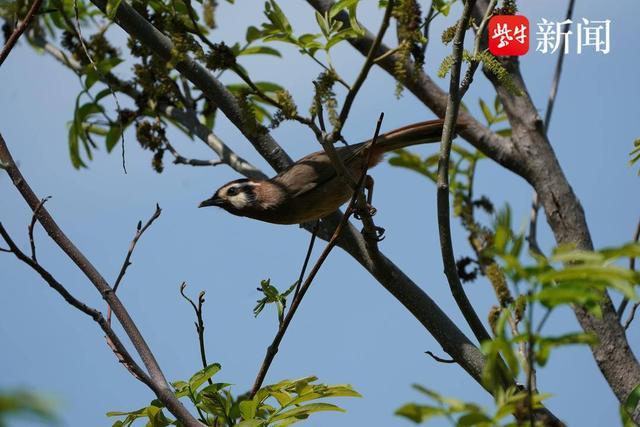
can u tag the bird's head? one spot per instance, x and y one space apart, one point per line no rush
234 196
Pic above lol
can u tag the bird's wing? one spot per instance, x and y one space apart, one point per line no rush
313 170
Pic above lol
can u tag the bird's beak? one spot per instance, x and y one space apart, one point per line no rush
214 201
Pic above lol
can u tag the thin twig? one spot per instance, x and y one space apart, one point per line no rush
535 203
439 359
272 350
632 314
475 62
179 159
140 229
314 234
531 376
112 339
364 71
427 25
32 225
13 38
78 32
632 267
328 140
444 220
199 323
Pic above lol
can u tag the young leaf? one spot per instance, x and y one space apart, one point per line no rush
203 375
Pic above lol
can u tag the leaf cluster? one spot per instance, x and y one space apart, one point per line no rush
281 404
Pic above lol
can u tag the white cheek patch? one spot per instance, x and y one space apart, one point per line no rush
239 201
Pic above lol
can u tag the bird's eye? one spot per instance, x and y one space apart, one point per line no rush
232 191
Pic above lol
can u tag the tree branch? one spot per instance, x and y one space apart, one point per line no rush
535 203
32 225
444 220
158 382
140 229
13 38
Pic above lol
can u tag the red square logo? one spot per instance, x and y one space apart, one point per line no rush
508 35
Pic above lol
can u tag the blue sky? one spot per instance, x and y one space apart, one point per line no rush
349 329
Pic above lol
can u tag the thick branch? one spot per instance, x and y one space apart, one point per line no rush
535 204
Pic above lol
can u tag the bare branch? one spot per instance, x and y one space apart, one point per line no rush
439 359
140 229
158 382
13 38
179 159
314 234
631 316
34 218
444 221
199 322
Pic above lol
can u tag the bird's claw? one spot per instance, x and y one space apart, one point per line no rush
377 234
369 211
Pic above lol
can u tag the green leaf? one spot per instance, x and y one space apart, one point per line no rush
474 419
506 132
340 6
629 406
248 409
443 6
112 8
260 50
420 413
323 23
251 423
113 136
277 17
546 344
487 112
203 375
253 34
305 410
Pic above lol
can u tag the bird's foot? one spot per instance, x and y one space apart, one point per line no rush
368 210
376 235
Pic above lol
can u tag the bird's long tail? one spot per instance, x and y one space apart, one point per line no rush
417 133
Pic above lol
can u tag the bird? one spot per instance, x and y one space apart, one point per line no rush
311 189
